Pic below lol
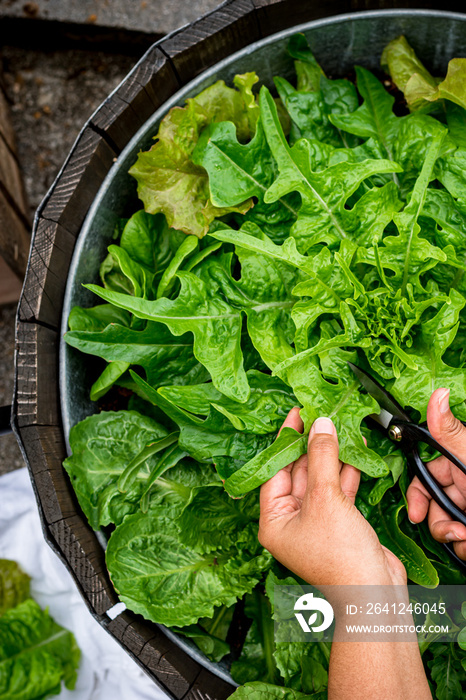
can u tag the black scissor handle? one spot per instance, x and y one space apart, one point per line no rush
413 433
419 469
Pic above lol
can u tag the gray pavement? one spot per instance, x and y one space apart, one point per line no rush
153 16
52 95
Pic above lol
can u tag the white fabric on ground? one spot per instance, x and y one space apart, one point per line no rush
106 671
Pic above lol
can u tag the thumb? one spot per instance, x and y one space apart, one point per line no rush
443 425
323 464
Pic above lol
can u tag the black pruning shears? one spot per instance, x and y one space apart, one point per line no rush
401 429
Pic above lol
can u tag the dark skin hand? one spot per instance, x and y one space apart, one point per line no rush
310 524
450 433
315 496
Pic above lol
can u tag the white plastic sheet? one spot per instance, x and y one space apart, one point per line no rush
106 671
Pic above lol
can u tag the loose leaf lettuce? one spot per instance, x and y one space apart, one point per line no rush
168 180
420 88
339 235
216 327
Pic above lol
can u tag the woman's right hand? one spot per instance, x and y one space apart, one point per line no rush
450 433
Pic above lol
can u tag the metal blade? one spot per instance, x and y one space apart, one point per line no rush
389 408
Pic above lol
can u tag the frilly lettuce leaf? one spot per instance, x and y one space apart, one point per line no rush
374 118
408 255
168 180
420 88
414 386
216 327
322 217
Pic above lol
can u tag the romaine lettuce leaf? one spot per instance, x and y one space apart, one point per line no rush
36 654
170 583
14 585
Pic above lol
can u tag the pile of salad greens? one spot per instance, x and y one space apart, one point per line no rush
36 653
280 237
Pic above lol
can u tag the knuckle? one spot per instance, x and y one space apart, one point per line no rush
454 428
351 493
460 550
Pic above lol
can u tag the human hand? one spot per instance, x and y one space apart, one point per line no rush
309 522
450 433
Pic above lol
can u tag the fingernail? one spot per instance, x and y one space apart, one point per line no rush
411 521
323 425
452 537
444 401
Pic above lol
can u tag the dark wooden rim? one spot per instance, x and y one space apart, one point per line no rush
168 65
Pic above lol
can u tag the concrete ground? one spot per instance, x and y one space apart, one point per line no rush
154 16
52 94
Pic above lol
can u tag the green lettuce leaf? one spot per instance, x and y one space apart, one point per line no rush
207 439
414 386
148 241
258 690
288 446
36 654
408 255
385 520
165 358
168 279
111 374
216 327
374 118
270 401
211 520
103 446
420 88
168 179
14 585
322 216
447 674
97 318
169 583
